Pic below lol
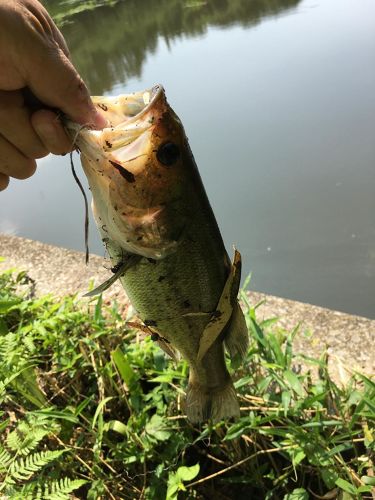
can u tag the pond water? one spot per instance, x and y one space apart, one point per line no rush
277 99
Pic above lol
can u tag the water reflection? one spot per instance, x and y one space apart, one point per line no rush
110 44
280 117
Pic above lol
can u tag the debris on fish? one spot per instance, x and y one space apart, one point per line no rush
158 227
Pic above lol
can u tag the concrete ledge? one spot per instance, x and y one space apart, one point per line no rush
349 340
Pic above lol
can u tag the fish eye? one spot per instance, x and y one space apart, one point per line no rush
168 153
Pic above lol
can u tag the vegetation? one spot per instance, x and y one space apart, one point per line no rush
89 409
109 40
64 10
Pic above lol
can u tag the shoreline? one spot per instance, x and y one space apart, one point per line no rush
349 340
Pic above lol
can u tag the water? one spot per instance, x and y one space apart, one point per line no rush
278 101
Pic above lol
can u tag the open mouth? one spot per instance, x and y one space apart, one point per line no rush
125 142
128 108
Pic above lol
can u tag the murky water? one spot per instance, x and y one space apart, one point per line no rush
278 101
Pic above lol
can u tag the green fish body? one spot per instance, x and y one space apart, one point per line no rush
158 227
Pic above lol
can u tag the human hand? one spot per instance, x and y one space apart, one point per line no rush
34 57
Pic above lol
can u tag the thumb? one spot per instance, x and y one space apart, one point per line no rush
53 79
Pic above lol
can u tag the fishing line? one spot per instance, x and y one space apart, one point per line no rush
86 207
77 132
35 104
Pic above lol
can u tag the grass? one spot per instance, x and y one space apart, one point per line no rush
64 11
91 410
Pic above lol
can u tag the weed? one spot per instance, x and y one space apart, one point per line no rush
89 406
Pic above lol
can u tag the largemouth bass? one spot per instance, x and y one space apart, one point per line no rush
158 227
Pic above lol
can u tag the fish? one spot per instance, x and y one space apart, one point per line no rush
158 227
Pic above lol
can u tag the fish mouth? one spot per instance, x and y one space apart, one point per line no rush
125 109
136 193
126 138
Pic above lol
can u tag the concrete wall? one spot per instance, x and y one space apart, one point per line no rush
349 340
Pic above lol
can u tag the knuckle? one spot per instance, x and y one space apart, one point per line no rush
76 89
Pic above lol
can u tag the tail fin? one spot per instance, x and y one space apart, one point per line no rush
237 335
203 403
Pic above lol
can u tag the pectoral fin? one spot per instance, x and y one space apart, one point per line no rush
130 262
224 308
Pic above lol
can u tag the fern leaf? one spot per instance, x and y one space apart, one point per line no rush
29 344
24 468
29 491
21 495
14 440
28 435
25 439
60 489
43 420
5 459
9 347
